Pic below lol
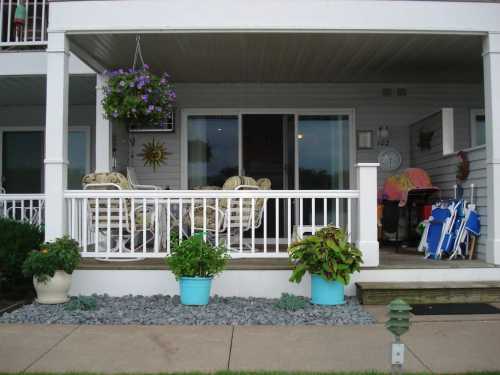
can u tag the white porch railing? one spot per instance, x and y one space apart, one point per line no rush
34 30
251 223
23 207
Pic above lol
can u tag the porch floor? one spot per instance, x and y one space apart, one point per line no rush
389 259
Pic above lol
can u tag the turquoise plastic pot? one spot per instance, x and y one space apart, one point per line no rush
326 292
195 290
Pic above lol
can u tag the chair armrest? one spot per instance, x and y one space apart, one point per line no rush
146 187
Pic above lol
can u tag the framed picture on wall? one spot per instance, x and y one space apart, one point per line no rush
365 139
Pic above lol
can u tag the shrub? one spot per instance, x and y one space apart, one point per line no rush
17 240
328 253
83 303
62 254
194 257
289 302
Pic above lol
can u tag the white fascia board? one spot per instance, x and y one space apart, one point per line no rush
274 15
35 63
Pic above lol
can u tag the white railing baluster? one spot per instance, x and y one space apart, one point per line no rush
96 217
301 217
349 231
313 215
31 211
42 26
181 232
204 219
144 223
120 225
229 213
265 227
253 224
325 210
108 225
9 18
241 225
337 203
157 227
26 19
84 224
217 221
23 216
277 224
132 225
191 216
33 38
168 226
73 218
289 222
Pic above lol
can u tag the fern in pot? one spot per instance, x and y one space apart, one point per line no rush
195 262
330 259
51 268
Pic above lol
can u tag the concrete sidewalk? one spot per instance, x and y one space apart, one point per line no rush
438 344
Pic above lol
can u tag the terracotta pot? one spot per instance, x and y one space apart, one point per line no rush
54 290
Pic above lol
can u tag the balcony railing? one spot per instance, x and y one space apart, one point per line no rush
23 207
250 223
23 28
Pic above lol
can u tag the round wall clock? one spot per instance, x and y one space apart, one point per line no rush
389 159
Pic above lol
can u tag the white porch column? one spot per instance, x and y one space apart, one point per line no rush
491 60
367 213
103 151
56 135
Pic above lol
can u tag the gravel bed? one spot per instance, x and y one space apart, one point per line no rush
161 309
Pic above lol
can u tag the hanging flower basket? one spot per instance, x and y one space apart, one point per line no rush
139 98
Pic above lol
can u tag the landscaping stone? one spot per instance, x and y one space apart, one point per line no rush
163 310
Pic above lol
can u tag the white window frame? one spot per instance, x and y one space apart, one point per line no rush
239 112
84 128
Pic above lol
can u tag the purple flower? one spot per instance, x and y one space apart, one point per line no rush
172 95
120 71
145 98
158 109
115 114
150 108
131 84
146 66
163 81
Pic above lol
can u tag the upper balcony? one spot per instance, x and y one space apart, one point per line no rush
23 24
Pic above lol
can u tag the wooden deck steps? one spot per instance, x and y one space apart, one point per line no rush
381 293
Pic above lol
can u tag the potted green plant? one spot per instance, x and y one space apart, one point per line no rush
330 259
195 262
51 268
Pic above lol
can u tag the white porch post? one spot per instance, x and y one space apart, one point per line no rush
367 213
103 152
56 135
491 60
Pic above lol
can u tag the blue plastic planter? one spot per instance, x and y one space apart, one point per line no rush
326 292
195 290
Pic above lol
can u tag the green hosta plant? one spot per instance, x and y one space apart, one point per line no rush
328 253
194 257
82 303
62 254
290 302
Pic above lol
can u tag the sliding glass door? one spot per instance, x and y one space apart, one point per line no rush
301 150
212 150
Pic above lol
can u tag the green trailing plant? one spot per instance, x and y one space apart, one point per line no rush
290 302
17 240
62 254
194 257
328 253
82 303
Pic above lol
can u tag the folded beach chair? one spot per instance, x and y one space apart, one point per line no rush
438 223
453 226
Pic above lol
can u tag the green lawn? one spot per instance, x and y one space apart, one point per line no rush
273 373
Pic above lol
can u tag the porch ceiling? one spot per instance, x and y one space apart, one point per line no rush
282 57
